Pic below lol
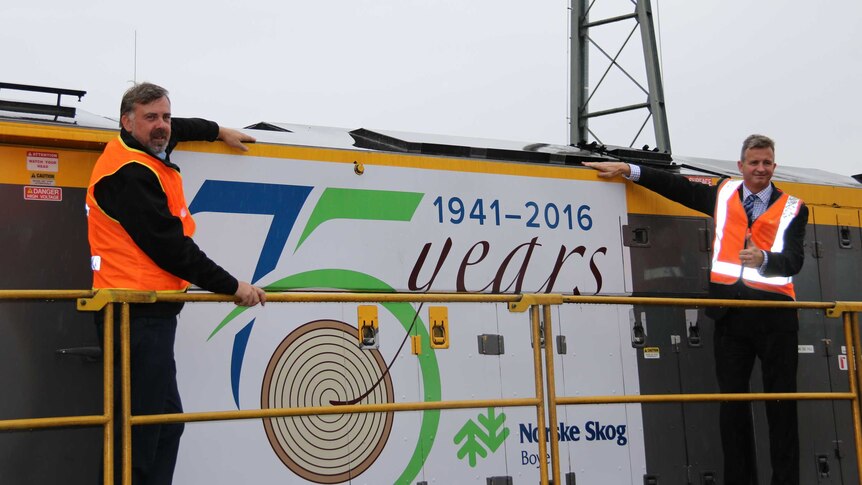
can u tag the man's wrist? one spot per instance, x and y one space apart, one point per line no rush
762 268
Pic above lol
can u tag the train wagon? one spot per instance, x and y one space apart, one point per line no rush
363 210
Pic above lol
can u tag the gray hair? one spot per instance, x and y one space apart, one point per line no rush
143 93
756 141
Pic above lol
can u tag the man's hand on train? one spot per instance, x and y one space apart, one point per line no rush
609 170
235 138
248 295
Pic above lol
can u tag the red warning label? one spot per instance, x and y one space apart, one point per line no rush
54 194
699 180
43 161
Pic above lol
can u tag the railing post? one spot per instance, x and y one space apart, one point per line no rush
125 374
855 358
540 395
552 395
108 389
851 336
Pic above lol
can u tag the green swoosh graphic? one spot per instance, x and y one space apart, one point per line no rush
376 205
404 313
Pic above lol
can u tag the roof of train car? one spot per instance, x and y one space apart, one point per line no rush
296 134
445 145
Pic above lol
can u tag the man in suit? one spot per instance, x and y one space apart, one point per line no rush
757 248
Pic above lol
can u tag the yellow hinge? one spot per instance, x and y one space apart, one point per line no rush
103 297
527 301
843 306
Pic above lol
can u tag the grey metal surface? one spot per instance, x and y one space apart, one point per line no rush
37 381
578 71
657 107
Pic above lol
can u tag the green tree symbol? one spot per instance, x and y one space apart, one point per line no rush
489 433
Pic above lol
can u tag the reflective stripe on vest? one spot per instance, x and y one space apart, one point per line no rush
118 262
731 227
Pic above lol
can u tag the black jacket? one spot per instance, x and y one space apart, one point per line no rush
134 197
701 197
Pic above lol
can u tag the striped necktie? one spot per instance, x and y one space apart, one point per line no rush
749 206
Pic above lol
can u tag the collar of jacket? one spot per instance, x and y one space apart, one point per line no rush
133 142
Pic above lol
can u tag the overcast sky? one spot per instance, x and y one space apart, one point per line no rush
477 68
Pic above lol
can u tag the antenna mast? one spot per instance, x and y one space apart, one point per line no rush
580 94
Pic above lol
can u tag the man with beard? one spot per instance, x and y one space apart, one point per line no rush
140 232
759 232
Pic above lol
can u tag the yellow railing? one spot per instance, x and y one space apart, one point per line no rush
543 375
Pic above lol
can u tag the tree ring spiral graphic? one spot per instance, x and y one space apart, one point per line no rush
317 363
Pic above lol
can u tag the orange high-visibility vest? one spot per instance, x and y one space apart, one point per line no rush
116 260
767 232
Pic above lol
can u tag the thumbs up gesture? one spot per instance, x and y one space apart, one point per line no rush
751 256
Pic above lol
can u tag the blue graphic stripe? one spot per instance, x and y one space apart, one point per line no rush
283 202
240 343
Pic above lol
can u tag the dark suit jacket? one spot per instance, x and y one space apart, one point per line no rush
701 197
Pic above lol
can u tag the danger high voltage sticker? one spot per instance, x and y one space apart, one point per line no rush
54 194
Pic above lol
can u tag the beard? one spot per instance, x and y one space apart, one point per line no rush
158 141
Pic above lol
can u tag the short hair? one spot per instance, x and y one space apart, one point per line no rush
143 93
756 141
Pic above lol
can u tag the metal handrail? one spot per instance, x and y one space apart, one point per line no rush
105 299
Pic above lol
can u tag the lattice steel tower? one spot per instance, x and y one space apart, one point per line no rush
581 96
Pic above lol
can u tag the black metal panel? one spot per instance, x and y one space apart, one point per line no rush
697 374
840 266
664 434
670 255
45 247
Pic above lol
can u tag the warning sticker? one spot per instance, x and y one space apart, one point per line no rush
43 161
652 353
699 180
54 194
43 179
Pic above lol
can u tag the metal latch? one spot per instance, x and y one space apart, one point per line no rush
693 328
491 344
636 237
816 249
368 326
570 478
438 316
707 478
705 239
498 481
638 322
650 479
87 354
561 344
844 239
823 466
